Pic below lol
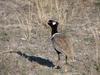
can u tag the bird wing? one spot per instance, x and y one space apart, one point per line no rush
63 44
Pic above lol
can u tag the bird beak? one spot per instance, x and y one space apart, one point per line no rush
48 23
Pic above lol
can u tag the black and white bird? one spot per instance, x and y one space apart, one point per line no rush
61 43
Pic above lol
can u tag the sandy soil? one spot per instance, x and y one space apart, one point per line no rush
25 47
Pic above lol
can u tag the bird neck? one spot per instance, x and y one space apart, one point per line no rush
54 30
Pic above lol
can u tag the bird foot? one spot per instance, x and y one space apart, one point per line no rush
57 67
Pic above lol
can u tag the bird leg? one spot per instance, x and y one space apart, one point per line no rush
66 58
58 61
58 54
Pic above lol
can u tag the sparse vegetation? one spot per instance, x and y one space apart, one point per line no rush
97 67
23 27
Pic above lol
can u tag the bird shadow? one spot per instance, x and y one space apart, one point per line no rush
39 60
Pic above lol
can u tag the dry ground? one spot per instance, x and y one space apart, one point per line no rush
24 29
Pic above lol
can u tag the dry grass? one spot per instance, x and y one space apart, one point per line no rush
23 27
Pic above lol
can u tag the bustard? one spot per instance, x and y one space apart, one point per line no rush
60 43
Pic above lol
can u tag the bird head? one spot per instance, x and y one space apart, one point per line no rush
52 23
